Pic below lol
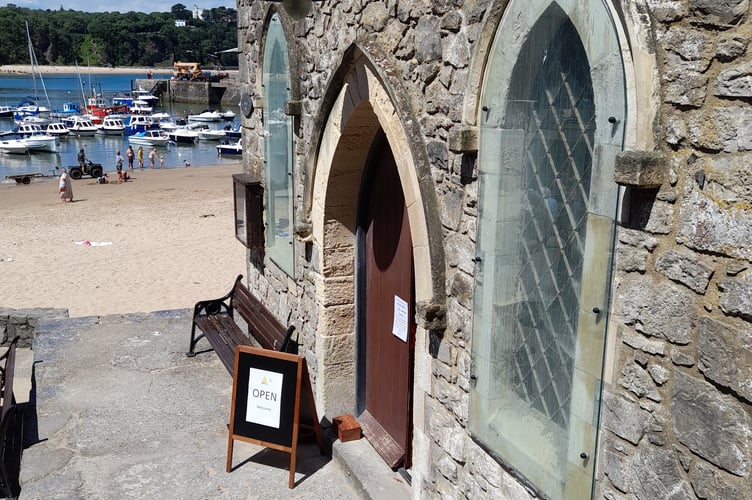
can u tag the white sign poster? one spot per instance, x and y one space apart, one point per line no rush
399 326
264 397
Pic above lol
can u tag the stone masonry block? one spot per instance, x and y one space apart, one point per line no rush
641 169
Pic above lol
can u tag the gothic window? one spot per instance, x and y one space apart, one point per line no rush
545 239
278 149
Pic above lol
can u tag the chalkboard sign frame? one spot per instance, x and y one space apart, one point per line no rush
297 408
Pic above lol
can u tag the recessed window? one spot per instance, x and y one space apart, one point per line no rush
278 153
547 205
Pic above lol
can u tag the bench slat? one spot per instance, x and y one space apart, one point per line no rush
224 335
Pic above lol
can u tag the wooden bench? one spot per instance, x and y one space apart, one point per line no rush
215 319
11 426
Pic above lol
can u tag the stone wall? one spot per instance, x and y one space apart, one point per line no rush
677 418
676 407
23 323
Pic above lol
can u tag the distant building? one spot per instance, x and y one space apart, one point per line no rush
179 23
514 236
198 13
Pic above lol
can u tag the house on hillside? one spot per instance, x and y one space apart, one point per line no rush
515 236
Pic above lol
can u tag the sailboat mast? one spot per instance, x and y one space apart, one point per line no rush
34 63
31 57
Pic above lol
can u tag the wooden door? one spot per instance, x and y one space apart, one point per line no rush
387 281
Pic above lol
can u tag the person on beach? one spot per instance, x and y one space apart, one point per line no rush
65 187
161 162
119 165
140 157
102 179
129 154
82 159
152 157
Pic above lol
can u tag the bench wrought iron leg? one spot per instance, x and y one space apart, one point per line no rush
194 340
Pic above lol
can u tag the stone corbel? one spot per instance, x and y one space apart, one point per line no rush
293 108
430 316
463 139
641 169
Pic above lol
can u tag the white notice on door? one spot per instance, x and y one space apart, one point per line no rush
264 397
399 327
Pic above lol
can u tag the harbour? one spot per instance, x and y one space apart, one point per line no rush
60 88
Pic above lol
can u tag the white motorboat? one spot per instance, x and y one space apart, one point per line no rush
41 142
112 126
81 126
211 134
150 138
139 107
146 96
7 111
183 135
206 116
228 115
25 129
164 121
139 123
230 149
14 146
58 129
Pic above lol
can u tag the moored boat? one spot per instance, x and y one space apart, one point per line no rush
112 125
81 126
183 135
206 116
58 129
232 131
150 138
41 142
14 146
6 111
230 149
211 134
139 123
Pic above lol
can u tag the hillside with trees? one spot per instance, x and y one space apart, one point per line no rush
67 37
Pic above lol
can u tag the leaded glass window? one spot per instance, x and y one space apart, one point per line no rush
547 205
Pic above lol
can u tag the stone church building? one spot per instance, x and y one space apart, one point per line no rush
514 236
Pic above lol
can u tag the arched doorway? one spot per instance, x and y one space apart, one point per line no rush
358 108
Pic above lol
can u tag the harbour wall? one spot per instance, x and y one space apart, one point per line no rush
226 92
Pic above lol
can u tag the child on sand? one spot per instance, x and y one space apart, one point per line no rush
161 162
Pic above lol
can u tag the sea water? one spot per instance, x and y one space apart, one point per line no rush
99 148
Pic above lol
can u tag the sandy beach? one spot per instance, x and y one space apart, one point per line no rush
161 241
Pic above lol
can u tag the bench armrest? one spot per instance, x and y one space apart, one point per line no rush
217 306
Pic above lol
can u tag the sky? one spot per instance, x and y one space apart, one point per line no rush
119 6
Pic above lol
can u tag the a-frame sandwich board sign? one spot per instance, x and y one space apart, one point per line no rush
272 400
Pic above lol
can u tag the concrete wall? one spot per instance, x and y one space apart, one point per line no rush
226 92
677 407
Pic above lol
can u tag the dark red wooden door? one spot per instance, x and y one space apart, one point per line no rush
387 420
